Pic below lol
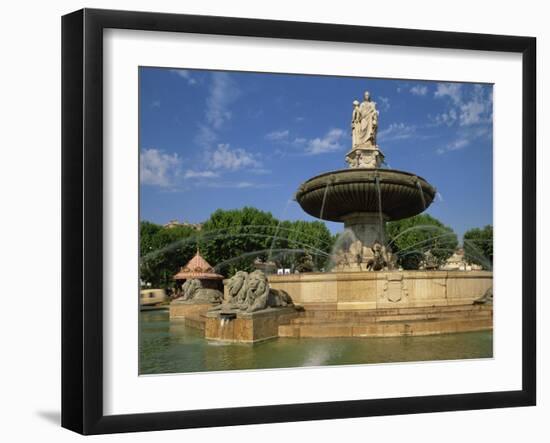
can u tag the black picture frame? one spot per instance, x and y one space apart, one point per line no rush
82 218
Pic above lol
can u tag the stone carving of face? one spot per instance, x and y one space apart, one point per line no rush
367 96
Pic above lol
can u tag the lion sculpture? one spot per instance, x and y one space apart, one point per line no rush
250 292
193 290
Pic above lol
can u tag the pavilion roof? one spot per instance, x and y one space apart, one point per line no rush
198 268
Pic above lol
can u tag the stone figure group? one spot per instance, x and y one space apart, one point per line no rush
376 257
305 263
250 292
429 262
193 290
486 298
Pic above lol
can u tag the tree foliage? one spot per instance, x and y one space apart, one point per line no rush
306 238
478 246
411 237
231 240
161 252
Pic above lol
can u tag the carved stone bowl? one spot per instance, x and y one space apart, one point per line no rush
349 191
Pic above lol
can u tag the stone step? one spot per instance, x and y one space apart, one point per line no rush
386 318
356 314
387 322
386 329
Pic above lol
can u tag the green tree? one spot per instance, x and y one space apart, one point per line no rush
478 246
311 236
411 237
163 251
232 239
147 232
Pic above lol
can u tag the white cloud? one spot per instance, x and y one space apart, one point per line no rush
465 136
200 174
447 118
299 141
397 131
451 90
479 109
419 90
244 185
470 107
278 135
472 113
457 144
232 159
206 136
238 184
185 74
158 168
385 102
329 143
223 92
454 146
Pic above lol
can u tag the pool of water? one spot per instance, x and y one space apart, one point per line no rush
170 347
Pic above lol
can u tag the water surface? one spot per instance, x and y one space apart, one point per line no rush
170 347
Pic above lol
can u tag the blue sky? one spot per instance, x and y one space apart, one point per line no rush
212 140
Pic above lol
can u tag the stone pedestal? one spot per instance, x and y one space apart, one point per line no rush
245 327
183 309
365 156
367 227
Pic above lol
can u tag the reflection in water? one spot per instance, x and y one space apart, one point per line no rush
170 347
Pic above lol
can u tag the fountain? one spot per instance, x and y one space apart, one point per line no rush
365 296
365 196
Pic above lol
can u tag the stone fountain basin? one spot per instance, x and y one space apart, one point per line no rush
349 191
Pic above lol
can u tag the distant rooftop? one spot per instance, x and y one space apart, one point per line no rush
175 223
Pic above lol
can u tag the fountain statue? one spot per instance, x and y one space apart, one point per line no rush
250 292
251 311
364 153
193 290
429 261
365 196
360 257
305 263
486 298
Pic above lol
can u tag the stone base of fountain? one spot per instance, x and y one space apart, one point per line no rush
247 327
387 304
368 227
354 304
383 289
